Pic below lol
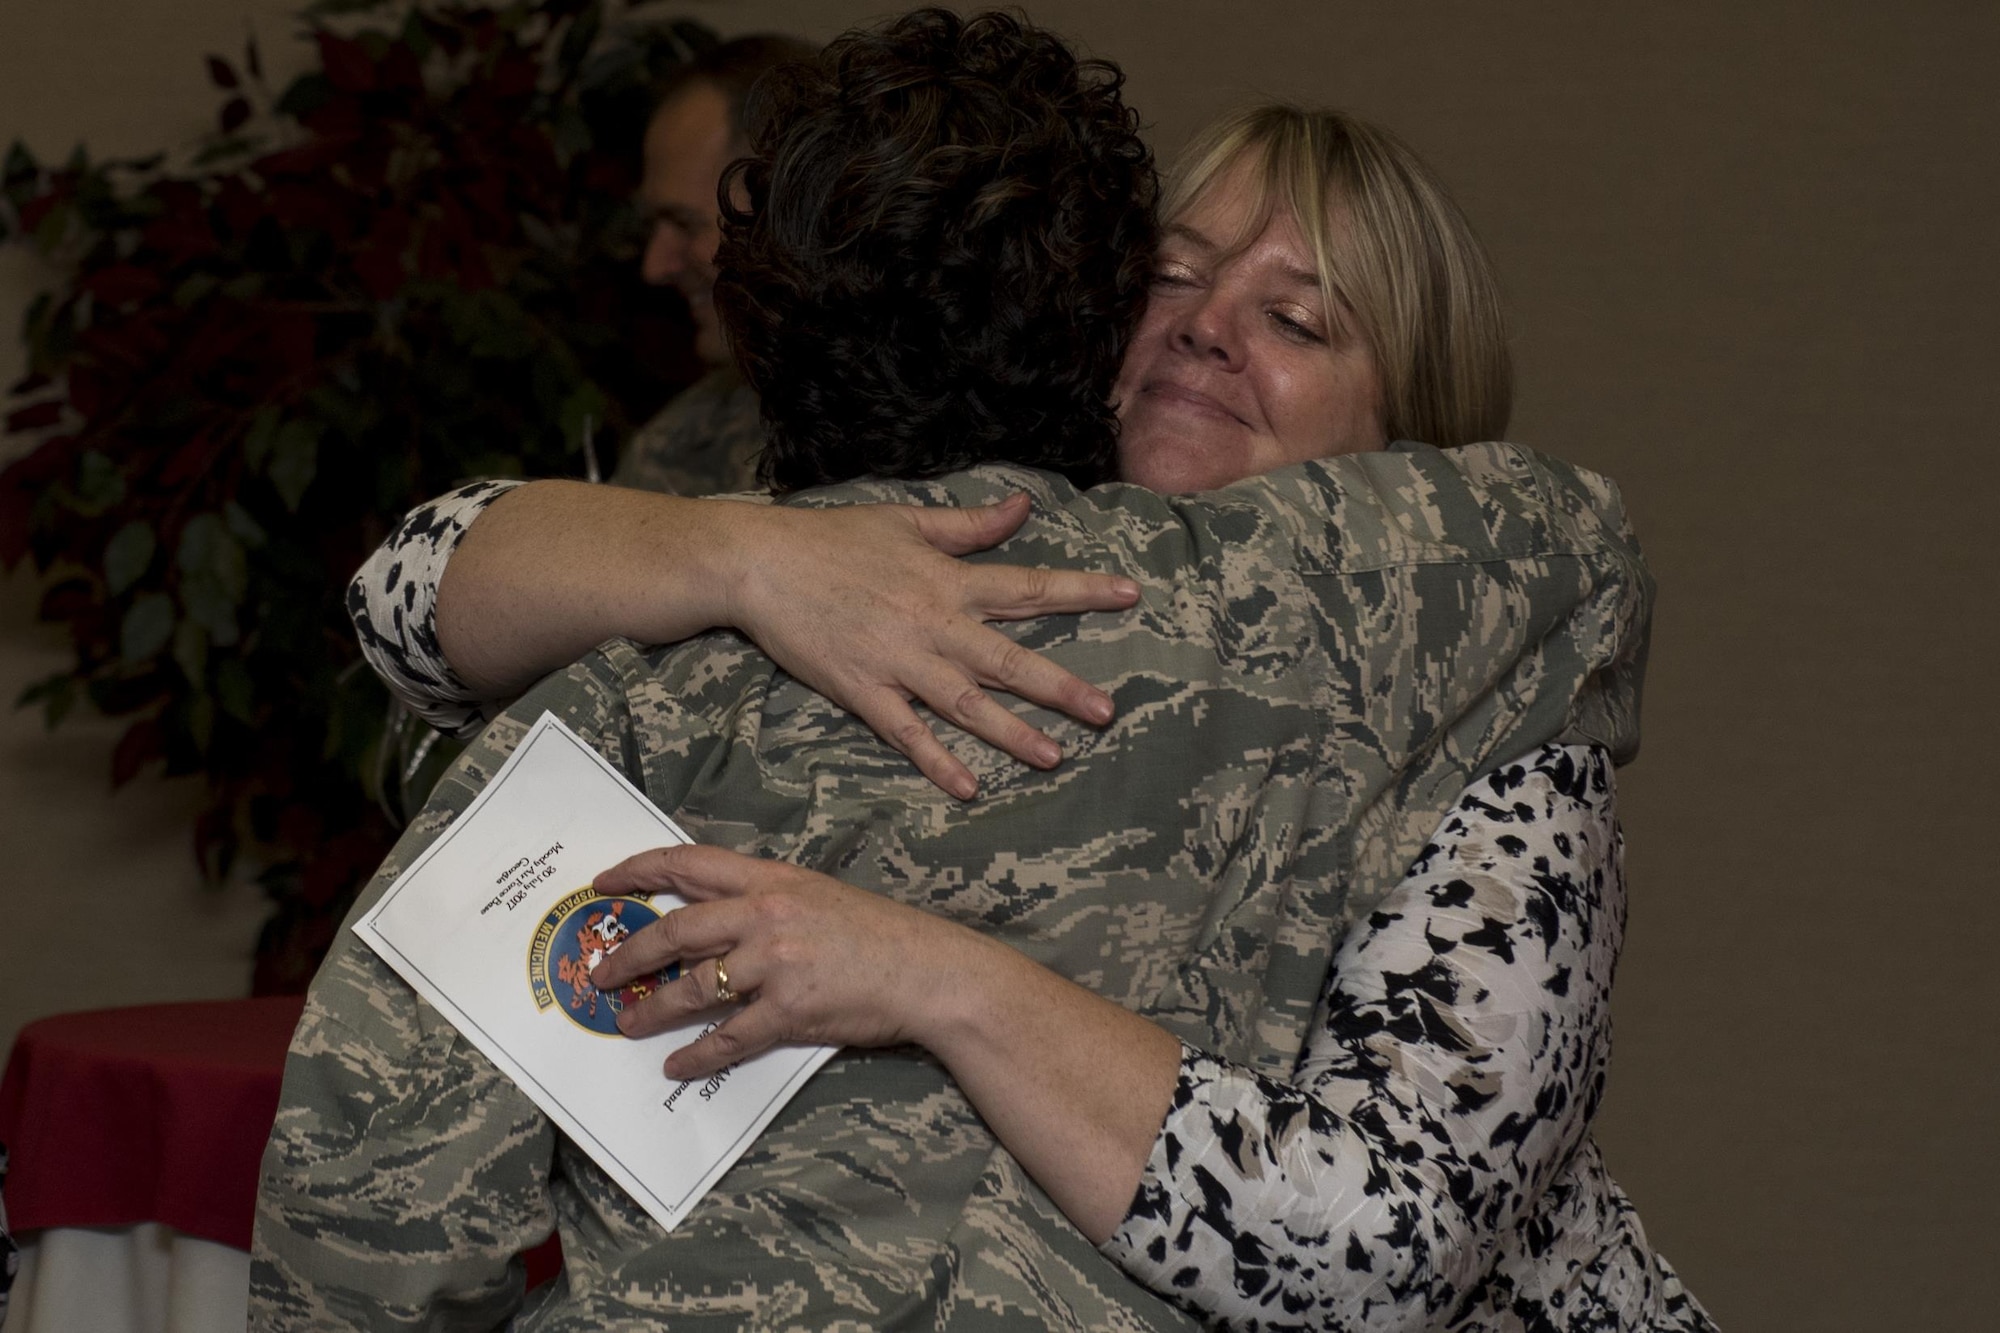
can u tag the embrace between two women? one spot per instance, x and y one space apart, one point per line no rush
1266 984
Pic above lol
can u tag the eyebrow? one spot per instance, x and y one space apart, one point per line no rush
1302 277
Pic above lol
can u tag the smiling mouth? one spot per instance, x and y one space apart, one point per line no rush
1191 400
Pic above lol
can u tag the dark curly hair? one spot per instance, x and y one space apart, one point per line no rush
944 250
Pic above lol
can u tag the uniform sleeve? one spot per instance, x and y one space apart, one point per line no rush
1458 1055
393 603
405 1173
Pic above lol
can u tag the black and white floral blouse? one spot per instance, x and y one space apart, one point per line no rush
10 1258
1429 1165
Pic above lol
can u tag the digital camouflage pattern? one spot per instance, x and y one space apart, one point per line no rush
1321 660
704 442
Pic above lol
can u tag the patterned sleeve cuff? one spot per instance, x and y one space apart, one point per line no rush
393 603
1184 1235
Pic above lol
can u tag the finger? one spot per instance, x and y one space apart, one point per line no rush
700 931
1018 592
695 872
892 718
960 531
673 1004
744 1034
958 699
1000 663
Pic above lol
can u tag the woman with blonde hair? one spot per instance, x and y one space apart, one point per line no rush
1426 1161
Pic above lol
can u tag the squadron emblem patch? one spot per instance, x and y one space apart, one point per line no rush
576 935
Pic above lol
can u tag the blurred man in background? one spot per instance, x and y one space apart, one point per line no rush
706 440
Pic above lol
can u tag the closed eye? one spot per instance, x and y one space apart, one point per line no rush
1297 330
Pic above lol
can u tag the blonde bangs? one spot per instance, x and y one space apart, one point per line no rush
1393 253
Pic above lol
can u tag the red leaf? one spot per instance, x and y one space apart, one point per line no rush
336 118
35 416
134 344
307 159
295 205
240 206
122 284
292 338
234 112
380 269
347 65
180 237
515 76
140 743
17 506
400 69
220 74
67 600
86 392
38 208
190 460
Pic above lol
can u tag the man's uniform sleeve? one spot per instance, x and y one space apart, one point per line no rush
405 1174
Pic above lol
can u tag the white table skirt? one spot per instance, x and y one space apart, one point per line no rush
143 1279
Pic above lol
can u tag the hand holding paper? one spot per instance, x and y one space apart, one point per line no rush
497 927
818 961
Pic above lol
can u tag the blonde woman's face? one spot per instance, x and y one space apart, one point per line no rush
1238 365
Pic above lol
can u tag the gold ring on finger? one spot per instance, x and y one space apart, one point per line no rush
723 995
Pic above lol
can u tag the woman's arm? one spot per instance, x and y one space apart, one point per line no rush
1459 1057
1436 1036
478 595
1074 1085
392 600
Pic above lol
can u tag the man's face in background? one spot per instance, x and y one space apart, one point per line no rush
691 139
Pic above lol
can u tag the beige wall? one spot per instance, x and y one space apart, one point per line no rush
1752 256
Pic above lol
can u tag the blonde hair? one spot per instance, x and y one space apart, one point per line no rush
1389 245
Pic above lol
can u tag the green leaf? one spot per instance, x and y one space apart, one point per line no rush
149 623
193 289
49 232
56 695
234 689
191 651
243 527
201 721
263 433
582 35
294 461
99 484
584 407
570 133
127 555
208 550
210 606
21 171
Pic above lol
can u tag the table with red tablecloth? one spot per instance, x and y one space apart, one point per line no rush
157 1113
150 1117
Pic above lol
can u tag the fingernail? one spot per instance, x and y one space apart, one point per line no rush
1048 755
1100 710
1128 589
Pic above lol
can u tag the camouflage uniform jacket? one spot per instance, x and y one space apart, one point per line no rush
1321 660
704 442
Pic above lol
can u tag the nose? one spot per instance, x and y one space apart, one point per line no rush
666 255
1207 329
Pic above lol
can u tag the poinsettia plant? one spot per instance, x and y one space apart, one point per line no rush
410 266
